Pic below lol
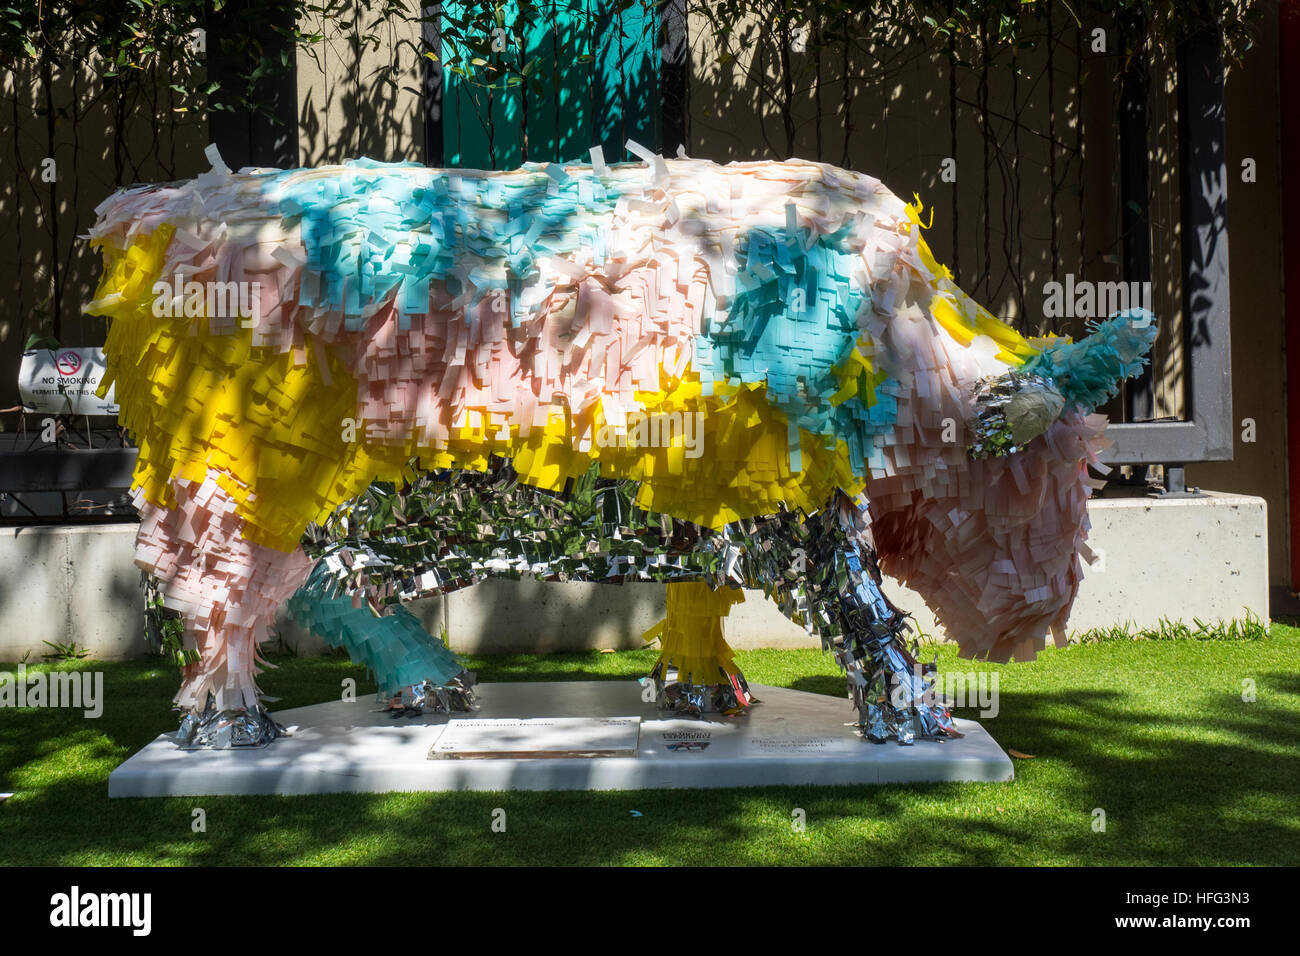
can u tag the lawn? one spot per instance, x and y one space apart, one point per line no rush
1153 732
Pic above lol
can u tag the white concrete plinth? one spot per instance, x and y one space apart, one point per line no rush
791 738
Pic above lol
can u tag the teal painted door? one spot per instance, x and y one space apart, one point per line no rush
595 82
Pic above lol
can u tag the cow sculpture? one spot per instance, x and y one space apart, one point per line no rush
356 385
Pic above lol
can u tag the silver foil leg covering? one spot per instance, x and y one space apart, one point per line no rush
894 696
687 699
426 697
226 729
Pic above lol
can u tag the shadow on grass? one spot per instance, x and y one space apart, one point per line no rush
1210 781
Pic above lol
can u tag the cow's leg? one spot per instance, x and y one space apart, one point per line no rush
226 590
414 670
892 692
691 642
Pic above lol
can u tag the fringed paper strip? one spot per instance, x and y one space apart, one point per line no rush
691 635
226 587
395 647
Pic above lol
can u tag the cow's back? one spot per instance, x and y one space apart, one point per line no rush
558 317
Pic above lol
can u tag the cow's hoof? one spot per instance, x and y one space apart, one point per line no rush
214 729
880 723
880 720
426 697
685 699
894 702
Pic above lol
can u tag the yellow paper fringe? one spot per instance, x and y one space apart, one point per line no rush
275 430
691 636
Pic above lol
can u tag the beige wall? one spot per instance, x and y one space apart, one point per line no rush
348 106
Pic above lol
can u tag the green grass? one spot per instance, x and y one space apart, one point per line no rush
1153 732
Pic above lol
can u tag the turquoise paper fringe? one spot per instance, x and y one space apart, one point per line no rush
396 647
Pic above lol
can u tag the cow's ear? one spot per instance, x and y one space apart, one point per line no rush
1009 412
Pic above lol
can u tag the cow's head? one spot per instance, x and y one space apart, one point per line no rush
993 539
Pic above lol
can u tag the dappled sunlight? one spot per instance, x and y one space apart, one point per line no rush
1154 733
